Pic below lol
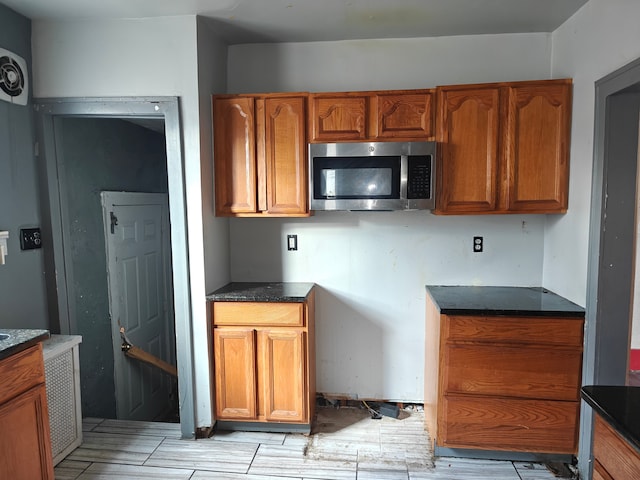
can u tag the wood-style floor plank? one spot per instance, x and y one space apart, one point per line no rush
345 444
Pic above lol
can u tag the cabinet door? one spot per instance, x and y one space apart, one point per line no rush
234 365
468 132
336 118
25 441
234 152
282 366
403 116
285 155
537 147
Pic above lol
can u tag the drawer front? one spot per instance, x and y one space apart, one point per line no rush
258 314
617 457
541 330
509 425
512 371
20 372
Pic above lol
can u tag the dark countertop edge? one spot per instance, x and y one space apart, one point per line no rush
7 352
512 313
578 312
246 292
622 429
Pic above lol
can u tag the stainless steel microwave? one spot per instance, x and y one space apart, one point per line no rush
372 176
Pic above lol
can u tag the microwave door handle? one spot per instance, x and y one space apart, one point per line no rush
404 173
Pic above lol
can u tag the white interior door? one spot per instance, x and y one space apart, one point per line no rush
140 296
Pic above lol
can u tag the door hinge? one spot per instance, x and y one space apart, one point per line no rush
114 222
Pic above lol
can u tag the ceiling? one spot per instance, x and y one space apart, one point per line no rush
268 21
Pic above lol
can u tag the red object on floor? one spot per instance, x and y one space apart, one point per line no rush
634 359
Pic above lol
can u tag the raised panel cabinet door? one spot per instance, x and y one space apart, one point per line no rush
403 115
537 147
281 362
336 118
234 155
285 155
469 137
25 440
234 366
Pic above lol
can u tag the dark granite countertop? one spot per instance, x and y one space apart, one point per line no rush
19 339
516 301
619 406
262 292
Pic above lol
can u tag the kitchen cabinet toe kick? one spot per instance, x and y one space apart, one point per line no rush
269 427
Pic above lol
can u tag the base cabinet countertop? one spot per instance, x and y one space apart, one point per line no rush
502 371
264 356
616 435
24 421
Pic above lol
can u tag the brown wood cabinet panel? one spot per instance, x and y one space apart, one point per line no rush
260 159
519 330
401 115
509 424
339 117
264 361
599 472
504 147
286 155
234 150
25 439
258 313
614 454
502 383
20 372
537 139
468 132
235 377
282 365
512 371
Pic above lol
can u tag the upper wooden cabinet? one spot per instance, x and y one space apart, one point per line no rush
379 116
260 155
504 147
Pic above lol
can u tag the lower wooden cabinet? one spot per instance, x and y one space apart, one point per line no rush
24 421
503 383
614 458
264 361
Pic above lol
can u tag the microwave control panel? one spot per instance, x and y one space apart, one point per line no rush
419 177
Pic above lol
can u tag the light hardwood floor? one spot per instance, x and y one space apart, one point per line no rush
346 443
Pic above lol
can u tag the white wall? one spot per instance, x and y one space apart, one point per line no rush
212 77
372 267
600 38
147 57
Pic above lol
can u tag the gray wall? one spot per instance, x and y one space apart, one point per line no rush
22 289
99 154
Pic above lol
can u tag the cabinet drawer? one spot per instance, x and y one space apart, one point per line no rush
512 371
20 372
509 424
542 330
258 313
617 457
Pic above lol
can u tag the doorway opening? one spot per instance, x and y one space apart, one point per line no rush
612 239
89 145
